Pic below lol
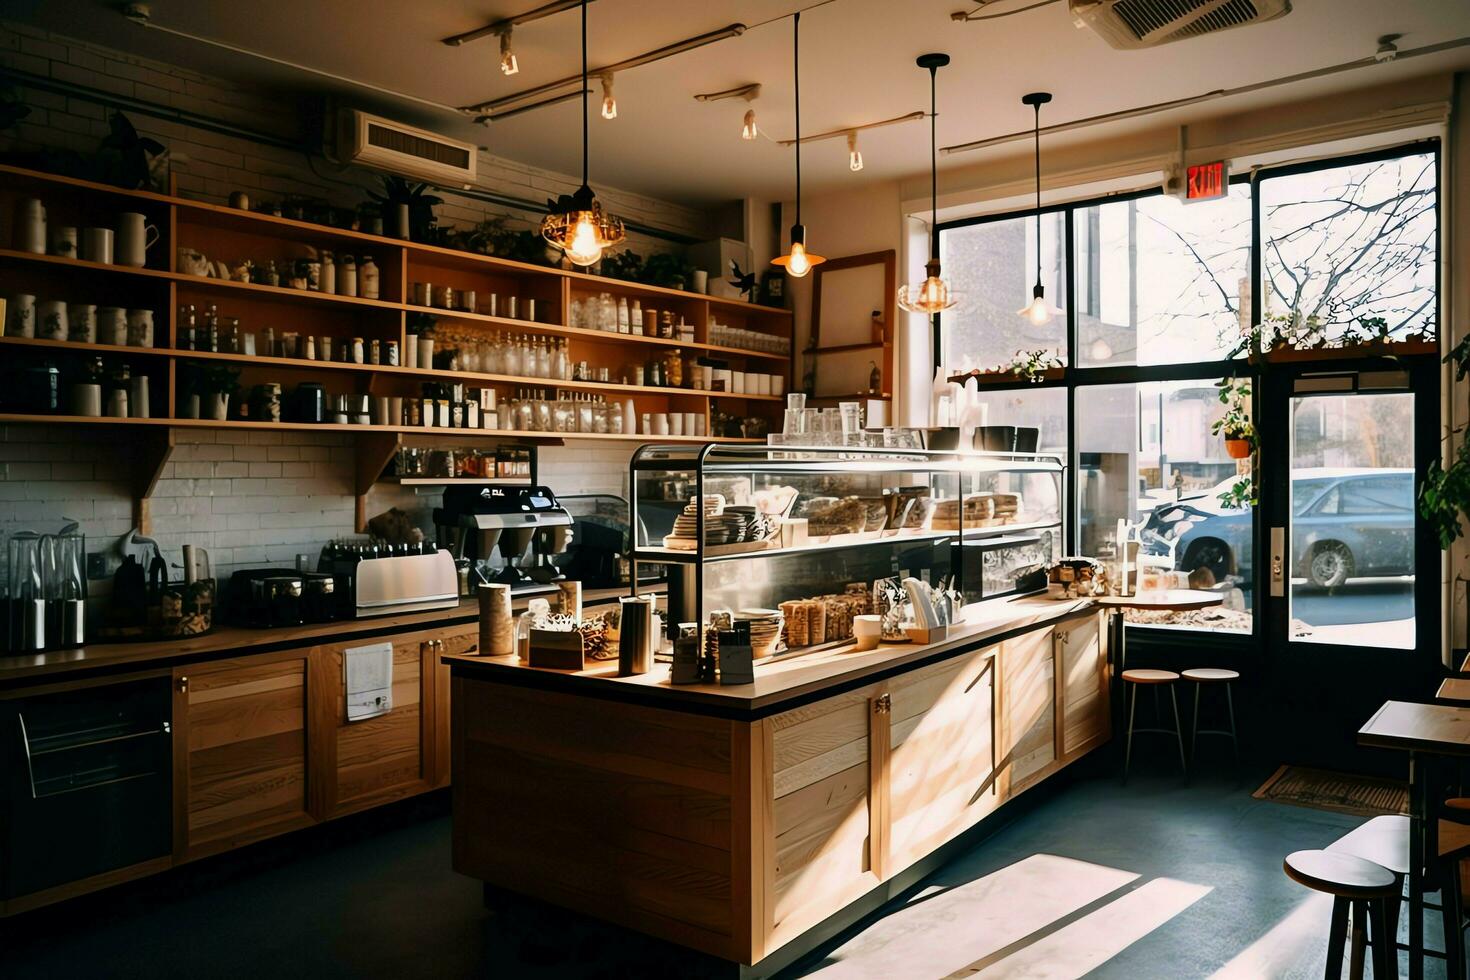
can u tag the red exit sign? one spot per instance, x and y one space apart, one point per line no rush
1206 181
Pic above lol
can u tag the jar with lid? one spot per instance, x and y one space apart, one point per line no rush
367 278
674 368
347 276
666 326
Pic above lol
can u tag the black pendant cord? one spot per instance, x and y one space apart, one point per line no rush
584 93
796 73
933 166
1037 107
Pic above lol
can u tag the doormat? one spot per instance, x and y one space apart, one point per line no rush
1340 792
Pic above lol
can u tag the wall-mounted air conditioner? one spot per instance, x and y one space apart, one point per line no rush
372 141
1130 24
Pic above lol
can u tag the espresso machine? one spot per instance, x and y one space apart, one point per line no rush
526 525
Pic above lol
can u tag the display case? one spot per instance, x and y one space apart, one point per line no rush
798 536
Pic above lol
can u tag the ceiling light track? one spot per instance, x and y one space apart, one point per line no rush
1219 93
648 57
847 130
487 118
504 25
749 92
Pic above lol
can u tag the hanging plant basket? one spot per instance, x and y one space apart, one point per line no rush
1238 448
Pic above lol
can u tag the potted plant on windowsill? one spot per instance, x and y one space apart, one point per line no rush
1235 425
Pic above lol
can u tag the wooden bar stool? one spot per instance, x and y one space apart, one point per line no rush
1144 677
1356 885
1213 675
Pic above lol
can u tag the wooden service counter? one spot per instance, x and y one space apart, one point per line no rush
752 822
259 737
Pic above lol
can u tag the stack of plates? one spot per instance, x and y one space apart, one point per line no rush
765 630
721 526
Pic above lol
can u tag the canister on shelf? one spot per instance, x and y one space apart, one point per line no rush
357 352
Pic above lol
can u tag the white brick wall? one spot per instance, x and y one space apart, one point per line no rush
249 497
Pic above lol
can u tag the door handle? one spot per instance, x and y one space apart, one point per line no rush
183 684
1278 562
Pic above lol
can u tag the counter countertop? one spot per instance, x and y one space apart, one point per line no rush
786 679
243 640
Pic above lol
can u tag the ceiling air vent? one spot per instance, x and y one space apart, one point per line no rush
383 144
1130 24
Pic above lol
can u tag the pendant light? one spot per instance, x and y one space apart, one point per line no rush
933 294
1038 311
798 262
576 224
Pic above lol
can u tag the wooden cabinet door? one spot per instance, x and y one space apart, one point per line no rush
240 751
1027 697
458 640
386 757
820 809
941 754
1082 686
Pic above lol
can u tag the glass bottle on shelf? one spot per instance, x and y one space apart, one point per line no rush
512 354
635 320
623 314
187 328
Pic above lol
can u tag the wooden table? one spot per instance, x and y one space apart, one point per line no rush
1419 730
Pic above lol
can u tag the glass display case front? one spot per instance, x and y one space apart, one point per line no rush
801 541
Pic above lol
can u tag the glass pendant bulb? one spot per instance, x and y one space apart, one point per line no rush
1038 312
748 131
798 262
576 223
854 155
933 295
508 63
609 104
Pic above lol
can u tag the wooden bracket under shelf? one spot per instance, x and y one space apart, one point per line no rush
374 451
154 449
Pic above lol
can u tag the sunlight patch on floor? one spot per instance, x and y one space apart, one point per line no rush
1301 935
949 929
1090 941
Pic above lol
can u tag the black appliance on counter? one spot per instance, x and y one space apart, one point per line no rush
88 779
520 522
273 597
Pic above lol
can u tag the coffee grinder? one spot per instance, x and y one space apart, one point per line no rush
523 523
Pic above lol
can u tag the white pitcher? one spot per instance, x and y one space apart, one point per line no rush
134 237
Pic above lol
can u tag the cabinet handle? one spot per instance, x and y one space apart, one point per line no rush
882 704
183 683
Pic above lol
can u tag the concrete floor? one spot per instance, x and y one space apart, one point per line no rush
1157 879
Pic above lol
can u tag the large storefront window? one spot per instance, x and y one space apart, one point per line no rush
1156 296
1352 250
1159 281
993 266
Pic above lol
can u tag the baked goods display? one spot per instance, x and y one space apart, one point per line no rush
765 630
830 515
824 618
980 510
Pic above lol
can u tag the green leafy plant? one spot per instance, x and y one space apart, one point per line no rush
124 158
1235 395
1240 494
422 324
420 203
1444 494
667 269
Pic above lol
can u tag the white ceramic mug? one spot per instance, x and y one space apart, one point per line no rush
135 236
140 328
691 423
701 280
97 245
426 354
51 319
64 241
29 232
676 423
112 326
81 320
20 316
660 423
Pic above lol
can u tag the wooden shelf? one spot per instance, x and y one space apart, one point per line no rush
454 481
843 349
409 430
70 263
302 364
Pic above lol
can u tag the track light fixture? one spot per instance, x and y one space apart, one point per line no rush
609 104
508 63
798 262
854 155
748 130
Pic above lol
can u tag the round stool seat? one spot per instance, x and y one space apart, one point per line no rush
1458 803
1342 875
1383 840
1146 676
1208 675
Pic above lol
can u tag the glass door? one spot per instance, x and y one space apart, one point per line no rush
1352 577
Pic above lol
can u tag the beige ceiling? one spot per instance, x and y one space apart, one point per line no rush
857 66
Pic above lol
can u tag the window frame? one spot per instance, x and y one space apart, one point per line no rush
1073 376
